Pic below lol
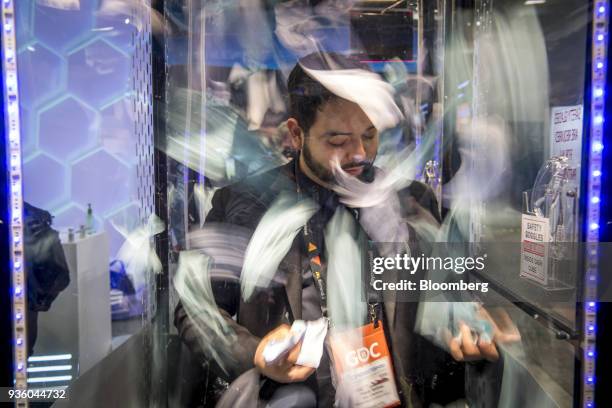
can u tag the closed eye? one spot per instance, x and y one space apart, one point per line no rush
337 141
370 133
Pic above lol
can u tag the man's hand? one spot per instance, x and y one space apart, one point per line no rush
465 347
285 370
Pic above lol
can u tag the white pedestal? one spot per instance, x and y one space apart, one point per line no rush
79 320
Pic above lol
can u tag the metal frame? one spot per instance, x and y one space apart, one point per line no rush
597 111
15 190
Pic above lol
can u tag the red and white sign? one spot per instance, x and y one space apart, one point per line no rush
363 367
535 239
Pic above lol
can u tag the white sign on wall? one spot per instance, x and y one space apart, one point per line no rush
566 138
535 236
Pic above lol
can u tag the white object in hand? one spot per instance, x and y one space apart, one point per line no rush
278 348
312 344
311 333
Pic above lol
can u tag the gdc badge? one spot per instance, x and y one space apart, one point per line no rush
362 368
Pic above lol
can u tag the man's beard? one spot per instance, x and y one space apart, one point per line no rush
326 176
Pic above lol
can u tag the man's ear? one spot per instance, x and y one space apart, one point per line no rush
296 133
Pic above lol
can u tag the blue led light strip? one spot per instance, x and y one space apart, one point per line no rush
598 89
11 105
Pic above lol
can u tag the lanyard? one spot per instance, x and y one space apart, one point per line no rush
317 267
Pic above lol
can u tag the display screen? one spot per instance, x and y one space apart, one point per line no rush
383 37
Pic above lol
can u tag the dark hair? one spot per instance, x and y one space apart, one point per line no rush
306 94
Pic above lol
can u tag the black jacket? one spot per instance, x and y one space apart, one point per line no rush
46 266
244 204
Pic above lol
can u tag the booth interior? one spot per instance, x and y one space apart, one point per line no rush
133 114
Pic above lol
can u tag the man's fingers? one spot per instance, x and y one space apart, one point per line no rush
504 329
454 344
468 344
279 333
299 373
294 353
467 347
509 334
488 350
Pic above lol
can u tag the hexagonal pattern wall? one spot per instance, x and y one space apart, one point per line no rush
105 188
61 28
67 129
117 133
125 218
98 72
29 132
83 139
44 181
64 217
35 89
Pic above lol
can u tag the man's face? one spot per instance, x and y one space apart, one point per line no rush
341 132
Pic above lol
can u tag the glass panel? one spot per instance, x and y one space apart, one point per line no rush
514 128
226 99
228 109
303 147
536 111
87 151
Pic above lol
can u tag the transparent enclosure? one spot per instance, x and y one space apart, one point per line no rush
517 132
134 115
490 92
87 151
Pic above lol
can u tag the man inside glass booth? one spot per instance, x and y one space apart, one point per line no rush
294 320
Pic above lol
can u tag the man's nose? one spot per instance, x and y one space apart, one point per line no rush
357 151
